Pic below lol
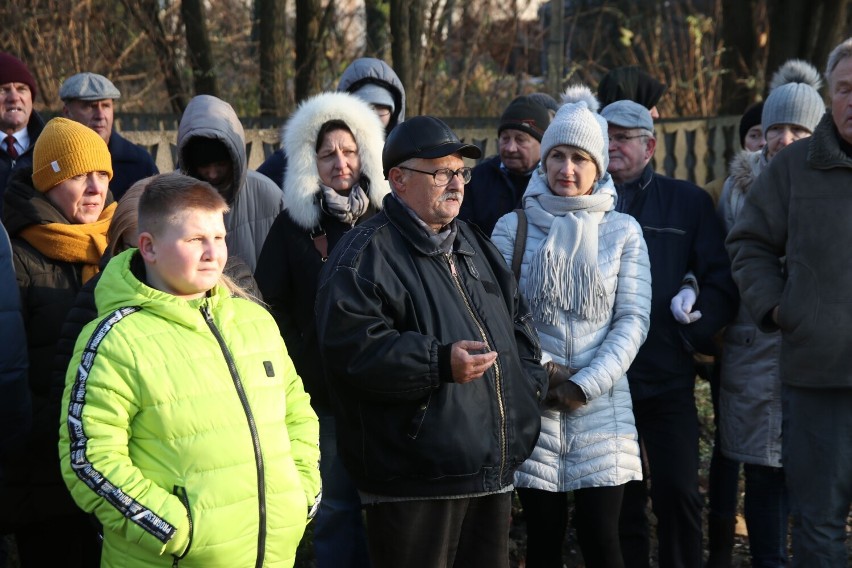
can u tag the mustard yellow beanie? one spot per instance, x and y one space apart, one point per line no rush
65 149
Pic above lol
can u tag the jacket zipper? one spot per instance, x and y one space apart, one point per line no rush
184 498
255 437
498 375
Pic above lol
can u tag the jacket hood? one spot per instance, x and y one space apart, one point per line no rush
745 168
120 286
211 117
370 70
302 180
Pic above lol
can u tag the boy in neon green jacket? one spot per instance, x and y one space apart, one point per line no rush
185 428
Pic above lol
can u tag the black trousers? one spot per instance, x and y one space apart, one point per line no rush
466 533
596 512
668 431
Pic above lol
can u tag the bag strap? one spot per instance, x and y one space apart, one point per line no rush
520 243
320 242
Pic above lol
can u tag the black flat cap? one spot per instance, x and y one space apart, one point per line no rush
423 137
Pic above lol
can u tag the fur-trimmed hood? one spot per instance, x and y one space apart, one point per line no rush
745 167
301 180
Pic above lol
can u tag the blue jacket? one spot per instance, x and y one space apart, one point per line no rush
489 195
15 409
683 234
130 163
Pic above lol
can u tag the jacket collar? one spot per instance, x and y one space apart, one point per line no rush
416 235
824 151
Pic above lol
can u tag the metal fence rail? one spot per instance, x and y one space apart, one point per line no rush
697 150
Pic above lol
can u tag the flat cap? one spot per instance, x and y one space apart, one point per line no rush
423 137
628 114
88 87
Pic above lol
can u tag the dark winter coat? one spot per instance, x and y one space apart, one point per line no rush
389 307
289 264
683 234
130 163
799 206
490 195
15 410
25 160
33 489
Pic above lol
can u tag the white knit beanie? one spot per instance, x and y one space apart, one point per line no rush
794 97
577 123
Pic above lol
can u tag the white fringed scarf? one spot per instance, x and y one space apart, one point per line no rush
563 272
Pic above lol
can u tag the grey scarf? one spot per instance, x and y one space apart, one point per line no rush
564 274
345 208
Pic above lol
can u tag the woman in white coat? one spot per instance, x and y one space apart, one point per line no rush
586 274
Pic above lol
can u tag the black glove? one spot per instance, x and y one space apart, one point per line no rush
562 392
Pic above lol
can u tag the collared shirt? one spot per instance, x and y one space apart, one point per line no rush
22 140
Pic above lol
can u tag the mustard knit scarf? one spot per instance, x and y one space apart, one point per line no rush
82 243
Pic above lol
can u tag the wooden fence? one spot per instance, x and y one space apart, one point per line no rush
697 150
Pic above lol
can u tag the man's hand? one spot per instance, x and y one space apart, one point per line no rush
562 392
682 305
468 366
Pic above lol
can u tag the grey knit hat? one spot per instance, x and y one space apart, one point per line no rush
794 97
577 123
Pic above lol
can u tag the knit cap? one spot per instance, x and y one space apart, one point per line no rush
66 148
526 115
751 117
374 94
794 97
577 123
13 70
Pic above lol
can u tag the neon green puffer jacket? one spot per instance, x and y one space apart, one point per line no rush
186 430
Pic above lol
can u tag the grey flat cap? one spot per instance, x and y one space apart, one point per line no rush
88 87
628 114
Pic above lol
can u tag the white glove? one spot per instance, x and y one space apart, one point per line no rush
682 304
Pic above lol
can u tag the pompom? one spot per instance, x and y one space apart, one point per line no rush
577 93
796 71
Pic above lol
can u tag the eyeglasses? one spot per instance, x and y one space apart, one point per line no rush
443 176
382 111
620 138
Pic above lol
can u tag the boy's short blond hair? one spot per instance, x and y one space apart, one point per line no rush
168 196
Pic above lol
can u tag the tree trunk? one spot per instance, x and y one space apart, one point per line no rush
307 47
272 22
146 12
401 44
198 44
556 46
804 30
406 25
376 13
739 57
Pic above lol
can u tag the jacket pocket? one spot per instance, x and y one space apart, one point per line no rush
181 494
800 303
418 417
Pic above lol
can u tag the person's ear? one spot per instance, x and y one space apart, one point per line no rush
396 177
651 146
146 247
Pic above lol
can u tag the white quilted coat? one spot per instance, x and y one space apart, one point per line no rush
597 445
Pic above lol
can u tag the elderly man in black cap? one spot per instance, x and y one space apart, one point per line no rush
88 98
433 366
499 182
